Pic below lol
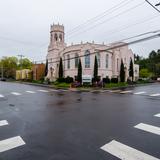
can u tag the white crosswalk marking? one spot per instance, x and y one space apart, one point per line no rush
53 90
115 91
125 152
30 92
11 143
157 115
123 92
45 91
16 93
1 96
138 93
148 128
63 90
3 123
155 95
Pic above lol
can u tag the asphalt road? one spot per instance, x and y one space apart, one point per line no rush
65 125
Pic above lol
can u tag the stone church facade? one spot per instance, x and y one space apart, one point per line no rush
109 61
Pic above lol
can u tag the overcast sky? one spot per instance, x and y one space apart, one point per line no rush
25 24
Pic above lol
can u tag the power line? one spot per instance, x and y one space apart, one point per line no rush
109 19
96 18
100 16
143 34
157 4
114 47
131 25
152 5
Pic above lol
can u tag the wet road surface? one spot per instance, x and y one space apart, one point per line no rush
65 125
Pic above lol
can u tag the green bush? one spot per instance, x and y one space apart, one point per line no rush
106 80
69 79
114 80
114 85
61 80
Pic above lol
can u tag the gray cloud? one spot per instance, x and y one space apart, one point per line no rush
25 24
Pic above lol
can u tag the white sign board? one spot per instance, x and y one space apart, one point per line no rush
86 79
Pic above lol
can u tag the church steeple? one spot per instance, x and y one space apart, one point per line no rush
57 36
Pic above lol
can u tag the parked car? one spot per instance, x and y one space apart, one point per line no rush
2 79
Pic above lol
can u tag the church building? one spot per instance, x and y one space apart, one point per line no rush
108 56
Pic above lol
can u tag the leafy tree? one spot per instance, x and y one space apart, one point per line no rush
122 72
25 63
95 75
157 69
131 70
60 68
9 65
144 73
79 75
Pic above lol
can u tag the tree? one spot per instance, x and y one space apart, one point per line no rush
25 63
46 68
95 75
122 72
79 75
131 70
144 73
9 65
60 68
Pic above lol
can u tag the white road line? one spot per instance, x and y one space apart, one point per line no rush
148 128
125 152
115 91
53 90
3 123
63 90
137 93
16 93
155 95
45 91
123 92
157 115
11 143
1 96
30 92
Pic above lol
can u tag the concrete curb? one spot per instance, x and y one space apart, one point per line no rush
83 90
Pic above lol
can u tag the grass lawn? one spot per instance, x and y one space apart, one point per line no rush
62 85
114 85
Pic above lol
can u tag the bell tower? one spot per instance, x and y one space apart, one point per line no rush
56 45
57 36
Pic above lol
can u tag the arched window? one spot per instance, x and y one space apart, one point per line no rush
76 60
117 64
51 38
87 59
68 61
56 37
98 59
107 60
60 37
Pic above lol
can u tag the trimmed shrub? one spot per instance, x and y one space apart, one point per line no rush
61 80
69 79
106 80
97 79
114 80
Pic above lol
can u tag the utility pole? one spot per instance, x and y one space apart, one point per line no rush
21 57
